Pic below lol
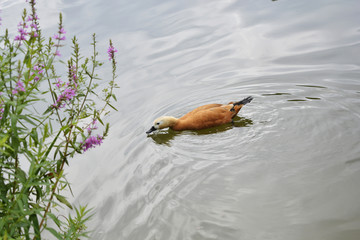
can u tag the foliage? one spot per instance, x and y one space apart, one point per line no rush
44 121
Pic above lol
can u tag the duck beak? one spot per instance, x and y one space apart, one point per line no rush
151 130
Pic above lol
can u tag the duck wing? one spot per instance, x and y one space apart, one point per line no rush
199 109
205 118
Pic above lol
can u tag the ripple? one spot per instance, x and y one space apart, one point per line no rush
267 175
275 94
310 86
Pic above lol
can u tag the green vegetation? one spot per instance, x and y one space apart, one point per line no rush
45 119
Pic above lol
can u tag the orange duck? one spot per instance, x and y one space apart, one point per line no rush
206 116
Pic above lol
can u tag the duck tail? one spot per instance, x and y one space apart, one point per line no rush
242 102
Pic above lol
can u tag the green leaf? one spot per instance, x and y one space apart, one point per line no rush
63 200
51 146
57 151
34 136
114 97
15 142
20 205
46 130
27 119
99 119
49 109
79 128
112 107
55 219
54 232
5 113
9 147
38 193
3 140
6 235
35 223
49 65
25 145
21 175
25 201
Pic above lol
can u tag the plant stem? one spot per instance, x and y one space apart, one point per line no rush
57 179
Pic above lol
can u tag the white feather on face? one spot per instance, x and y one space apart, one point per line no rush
157 124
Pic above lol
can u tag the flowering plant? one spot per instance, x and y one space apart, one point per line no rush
45 119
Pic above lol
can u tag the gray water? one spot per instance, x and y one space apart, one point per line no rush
288 169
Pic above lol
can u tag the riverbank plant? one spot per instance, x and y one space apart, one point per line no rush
50 110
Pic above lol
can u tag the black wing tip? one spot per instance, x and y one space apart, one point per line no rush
244 101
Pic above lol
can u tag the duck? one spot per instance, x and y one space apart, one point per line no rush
206 116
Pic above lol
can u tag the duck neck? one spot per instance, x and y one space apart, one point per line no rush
171 121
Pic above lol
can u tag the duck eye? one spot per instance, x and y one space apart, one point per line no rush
158 123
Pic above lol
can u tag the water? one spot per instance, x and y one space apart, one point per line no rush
289 168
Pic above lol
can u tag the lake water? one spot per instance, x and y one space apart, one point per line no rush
288 169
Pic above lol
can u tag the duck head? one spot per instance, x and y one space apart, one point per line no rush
162 122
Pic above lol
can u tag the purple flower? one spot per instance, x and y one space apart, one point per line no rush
22 31
57 37
91 142
20 38
62 31
57 53
92 126
59 83
18 88
67 95
70 90
39 69
22 25
111 51
34 26
32 18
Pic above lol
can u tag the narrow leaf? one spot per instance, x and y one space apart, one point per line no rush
51 146
55 233
3 140
35 224
55 219
112 107
27 119
63 200
34 136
